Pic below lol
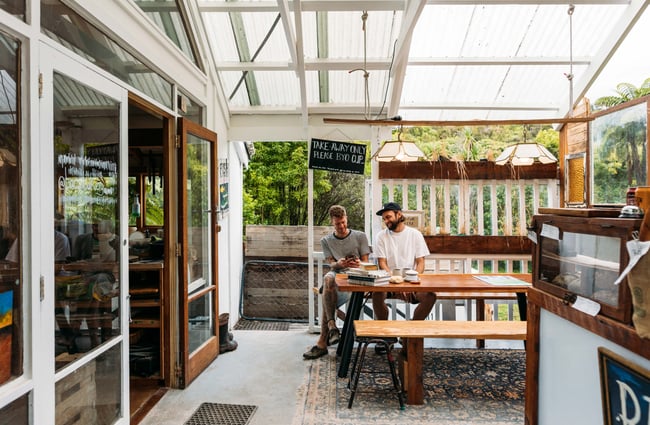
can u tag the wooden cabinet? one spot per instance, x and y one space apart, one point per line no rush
583 257
147 330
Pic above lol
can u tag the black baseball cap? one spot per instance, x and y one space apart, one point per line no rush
390 206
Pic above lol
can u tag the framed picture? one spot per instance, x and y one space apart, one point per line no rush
625 389
414 218
6 321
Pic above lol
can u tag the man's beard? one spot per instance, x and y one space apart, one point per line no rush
393 225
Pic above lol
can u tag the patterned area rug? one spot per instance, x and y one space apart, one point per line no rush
461 386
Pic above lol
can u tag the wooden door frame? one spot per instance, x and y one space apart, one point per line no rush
193 365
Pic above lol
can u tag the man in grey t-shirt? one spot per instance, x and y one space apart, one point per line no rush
342 249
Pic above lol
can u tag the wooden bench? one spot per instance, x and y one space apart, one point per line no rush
416 330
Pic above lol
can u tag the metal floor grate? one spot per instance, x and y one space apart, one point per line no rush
221 414
261 325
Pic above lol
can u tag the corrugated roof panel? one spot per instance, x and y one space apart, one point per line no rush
349 88
223 44
229 80
446 33
426 84
439 31
278 88
256 27
346 36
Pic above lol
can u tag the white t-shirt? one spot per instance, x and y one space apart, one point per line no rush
400 249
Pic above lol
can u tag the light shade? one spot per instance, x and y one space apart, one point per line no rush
525 154
398 150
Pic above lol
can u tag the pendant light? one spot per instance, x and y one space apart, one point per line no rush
398 150
525 153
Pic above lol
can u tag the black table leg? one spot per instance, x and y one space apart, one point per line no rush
523 305
346 345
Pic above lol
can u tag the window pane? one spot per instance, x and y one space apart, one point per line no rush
198 205
16 412
14 7
62 24
201 321
86 194
619 152
167 16
91 394
11 288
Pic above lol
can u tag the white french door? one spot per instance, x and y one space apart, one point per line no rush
78 245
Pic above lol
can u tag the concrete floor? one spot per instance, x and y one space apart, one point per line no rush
266 371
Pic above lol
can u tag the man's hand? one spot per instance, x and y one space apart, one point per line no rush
352 261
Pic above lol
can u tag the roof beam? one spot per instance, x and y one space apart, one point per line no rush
374 109
372 5
607 50
300 64
285 15
459 123
409 20
326 64
322 46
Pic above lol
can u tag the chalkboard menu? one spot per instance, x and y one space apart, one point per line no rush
337 156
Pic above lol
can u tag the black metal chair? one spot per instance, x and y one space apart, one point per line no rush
357 366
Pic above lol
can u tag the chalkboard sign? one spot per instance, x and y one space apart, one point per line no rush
337 156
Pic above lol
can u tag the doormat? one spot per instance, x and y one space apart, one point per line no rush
221 414
261 325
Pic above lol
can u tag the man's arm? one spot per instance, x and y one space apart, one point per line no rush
383 265
419 264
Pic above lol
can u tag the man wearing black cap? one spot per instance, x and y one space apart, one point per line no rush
400 247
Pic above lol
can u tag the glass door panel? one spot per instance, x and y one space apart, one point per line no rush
199 248
86 221
80 226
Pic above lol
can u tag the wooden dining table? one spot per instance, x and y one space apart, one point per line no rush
435 282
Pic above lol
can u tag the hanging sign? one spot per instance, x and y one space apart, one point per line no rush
337 156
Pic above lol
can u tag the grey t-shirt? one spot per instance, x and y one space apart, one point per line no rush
355 243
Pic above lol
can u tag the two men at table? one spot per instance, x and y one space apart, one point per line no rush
342 249
399 246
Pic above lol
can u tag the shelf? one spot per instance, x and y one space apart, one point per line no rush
144 323
145 302
585 261
582 258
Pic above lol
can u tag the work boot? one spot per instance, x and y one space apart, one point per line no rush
226 339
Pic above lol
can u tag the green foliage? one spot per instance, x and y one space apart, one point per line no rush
477 142
275 184
625 92
276 189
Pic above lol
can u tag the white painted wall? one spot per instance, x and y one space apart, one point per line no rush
569 378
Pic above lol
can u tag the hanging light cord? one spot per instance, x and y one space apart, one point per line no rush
570 74
366 99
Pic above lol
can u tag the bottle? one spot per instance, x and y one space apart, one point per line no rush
631 196
135 208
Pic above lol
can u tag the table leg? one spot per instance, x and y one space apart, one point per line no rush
523 305
414 381
346 345
480 315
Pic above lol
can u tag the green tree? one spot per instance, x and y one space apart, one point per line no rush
276 189
625 92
